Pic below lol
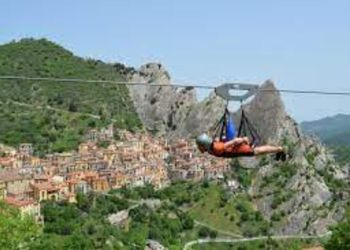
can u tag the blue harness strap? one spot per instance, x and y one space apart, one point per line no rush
230 128
225 130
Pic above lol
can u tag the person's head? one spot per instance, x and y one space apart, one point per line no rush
204 142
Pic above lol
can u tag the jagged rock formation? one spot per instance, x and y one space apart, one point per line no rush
266 111
169 111
303 195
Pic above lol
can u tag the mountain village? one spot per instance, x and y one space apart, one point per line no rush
134 160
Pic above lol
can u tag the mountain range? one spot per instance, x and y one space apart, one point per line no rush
333 130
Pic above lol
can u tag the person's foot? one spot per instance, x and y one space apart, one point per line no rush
278 156
281 156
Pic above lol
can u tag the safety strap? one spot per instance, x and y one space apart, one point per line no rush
220 127
247 129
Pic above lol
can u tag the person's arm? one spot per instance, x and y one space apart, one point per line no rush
236 141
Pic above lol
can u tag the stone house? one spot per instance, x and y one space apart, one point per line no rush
46 191
25 149
26 206
6 163
16 184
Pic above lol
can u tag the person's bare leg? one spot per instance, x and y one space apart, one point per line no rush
267 149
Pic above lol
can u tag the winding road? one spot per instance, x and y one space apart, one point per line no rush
275 237
217 230
57 110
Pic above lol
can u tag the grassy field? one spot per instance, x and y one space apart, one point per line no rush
209 211
232 213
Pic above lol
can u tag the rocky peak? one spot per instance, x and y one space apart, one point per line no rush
177 113
201 117
301 194
160 108
267 112
155 73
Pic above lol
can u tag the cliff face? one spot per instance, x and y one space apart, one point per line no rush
169 111
267 112
177 113
303 195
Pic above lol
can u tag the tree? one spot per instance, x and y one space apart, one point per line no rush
203 232
84 203
340 238
72 107
186 221
59 99
78 241
213 234
205 183
15 231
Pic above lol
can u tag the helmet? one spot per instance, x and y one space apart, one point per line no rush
204 141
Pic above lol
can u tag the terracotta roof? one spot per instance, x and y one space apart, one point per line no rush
72 181
11 175
19 202
5 159
45 186
20 192
90 174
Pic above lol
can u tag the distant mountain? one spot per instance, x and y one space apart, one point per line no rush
332 131
54 116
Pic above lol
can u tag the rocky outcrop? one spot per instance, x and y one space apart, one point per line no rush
160 108
177 113
302 195
201 117
170 111
267 112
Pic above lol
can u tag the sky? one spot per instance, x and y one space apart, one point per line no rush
299 44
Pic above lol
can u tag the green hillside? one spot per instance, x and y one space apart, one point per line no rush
34 123
175 221
333 130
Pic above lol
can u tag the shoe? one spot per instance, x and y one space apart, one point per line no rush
283 156
278 156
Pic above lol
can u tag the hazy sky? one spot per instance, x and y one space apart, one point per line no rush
300 44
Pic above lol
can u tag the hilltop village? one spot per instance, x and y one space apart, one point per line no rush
134 160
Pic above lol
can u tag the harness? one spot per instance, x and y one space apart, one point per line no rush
245 128
220 127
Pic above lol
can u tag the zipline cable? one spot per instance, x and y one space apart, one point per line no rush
77 80
175 85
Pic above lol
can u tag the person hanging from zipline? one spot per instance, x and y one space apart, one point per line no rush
228 146
237 147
